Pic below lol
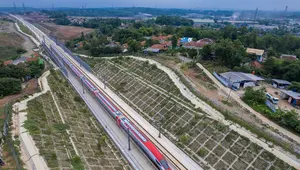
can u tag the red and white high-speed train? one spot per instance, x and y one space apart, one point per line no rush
122 121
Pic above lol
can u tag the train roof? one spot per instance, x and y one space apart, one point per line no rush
149 145
106 101
91 85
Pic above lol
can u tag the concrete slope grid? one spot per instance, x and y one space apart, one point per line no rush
290 159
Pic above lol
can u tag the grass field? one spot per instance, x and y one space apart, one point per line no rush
10 42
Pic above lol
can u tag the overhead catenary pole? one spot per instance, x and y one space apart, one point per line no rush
128 139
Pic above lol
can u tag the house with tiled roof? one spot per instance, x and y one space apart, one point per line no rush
198 44
159 46
161 37
8 62
288 57
32 59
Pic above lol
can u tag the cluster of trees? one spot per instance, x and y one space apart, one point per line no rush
129 12
96 51
282 69
9 86
173 20
295 86
257 98
59 16
11 76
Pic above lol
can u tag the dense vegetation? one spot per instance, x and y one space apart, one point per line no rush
11 76
129 12
10 52
9 86
257 98
173 20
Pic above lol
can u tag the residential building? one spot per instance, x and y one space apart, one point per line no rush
288 57
184 40
8 62
259 53
292 97
161 37
160 47
198 44
281 84
19 60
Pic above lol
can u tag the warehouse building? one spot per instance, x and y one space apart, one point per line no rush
238 80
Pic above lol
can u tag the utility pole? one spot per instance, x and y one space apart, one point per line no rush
15 8
128 138
255 15
24 9
286 8
82 86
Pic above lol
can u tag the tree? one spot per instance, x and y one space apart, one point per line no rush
206 52
82 36
230 32
174 40
134 46
192 53
9 86
231 53
295 86
255 96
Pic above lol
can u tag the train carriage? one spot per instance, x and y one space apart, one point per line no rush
145 144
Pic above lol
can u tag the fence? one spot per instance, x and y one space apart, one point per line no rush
271 105
7 137
78 59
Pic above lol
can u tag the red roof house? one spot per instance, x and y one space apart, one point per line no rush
160 46
32 59
8 62
161 37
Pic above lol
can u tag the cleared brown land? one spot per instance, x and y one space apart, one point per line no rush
66 33
10 39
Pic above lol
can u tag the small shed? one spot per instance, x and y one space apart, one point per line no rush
292 97
281 84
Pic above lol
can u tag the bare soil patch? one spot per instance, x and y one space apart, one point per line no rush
10 39
66 33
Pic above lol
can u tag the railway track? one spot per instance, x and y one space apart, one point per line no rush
172 159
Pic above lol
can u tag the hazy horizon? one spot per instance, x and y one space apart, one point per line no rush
279 5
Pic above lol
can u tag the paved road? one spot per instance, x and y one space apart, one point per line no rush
136 158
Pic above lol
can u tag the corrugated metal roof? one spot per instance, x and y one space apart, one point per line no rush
239 76
281 81
294 95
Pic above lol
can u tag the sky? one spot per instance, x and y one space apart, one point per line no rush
192 4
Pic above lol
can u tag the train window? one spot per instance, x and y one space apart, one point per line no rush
164 164
157 162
